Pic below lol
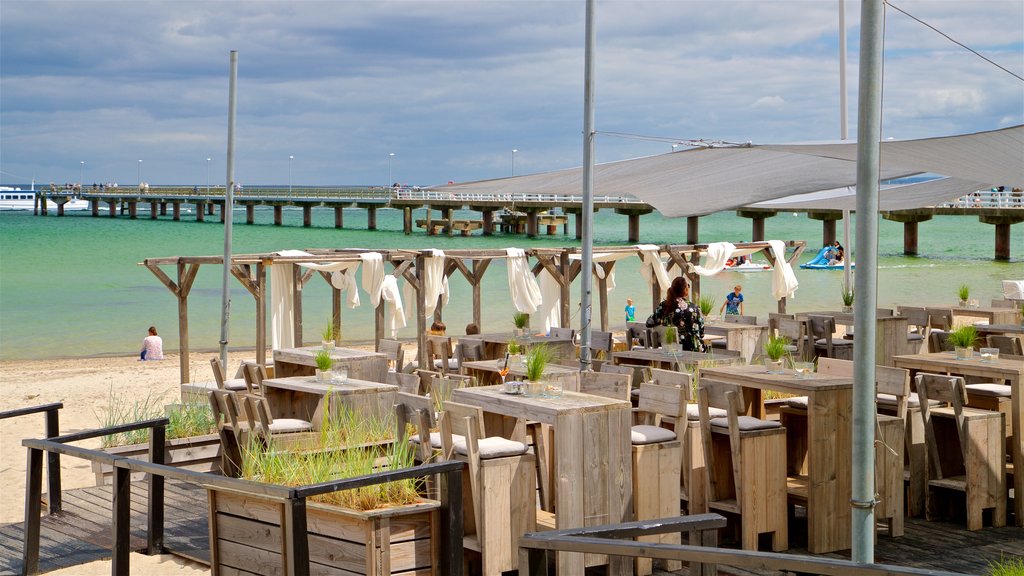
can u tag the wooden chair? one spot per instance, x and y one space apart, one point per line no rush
739 319
693 477
601 342
637 335
408 383
1006 344
233 432
773 318
441 386
744 465
658 462
965 450
938 341
418 411
940 318
468 350
392 349
265 426
820 330
254 375
561 333
918 326
797 332
440 354
222 382
1003 303
499 506
606 384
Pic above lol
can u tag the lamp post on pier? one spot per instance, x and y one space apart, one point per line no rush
514 161
81 173
391 156
140 173
290 158
207 176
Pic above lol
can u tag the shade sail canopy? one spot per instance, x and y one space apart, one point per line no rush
707 180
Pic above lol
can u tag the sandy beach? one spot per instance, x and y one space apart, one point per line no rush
84 385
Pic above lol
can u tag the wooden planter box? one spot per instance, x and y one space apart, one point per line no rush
199 453
247 536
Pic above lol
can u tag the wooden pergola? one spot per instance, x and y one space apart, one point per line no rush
251 272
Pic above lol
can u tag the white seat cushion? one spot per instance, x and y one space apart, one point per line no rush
797 402
747 423
693 412
235 384
290 425
493 447
835 342
914 336
989 389
435 439
644 434
913 401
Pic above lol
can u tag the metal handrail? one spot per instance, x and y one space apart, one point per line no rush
450 490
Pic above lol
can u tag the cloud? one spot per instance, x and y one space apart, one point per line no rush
452 86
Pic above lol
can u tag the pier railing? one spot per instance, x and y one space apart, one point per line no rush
988 199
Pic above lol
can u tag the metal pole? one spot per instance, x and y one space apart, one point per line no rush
587 213
207 176
229 205
844 135
81 173
869 127
514 161
139 173
290 174
390 157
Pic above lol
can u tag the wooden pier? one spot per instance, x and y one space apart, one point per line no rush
82 533
517 214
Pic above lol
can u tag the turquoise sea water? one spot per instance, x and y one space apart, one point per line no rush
72 286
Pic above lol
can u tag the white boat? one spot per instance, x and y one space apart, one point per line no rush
18 199
747 266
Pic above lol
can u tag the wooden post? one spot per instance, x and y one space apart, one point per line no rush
339 217
602 298
531 224
60 208
183 288
121 527
910 238
42 200
200 211
250 213
154 210
277 215
634 228
133 208
371 218
478 269
163 208
209 208
176 211
446 215
828 232
378 326
407 220
488 218
53 462
307 215
155 504
578 217
94 205
564 283
1002 224
223 211
692 229
33 510
112 204
421 316
261 313
335 312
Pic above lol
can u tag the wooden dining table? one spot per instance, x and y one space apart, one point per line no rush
890 334
592 461
747 339
305 398
1008 329
994 315
361 364
828 444
662 358
488 372
495 343
1010 370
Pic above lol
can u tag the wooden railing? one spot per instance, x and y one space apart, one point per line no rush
53 461
535 549
450 491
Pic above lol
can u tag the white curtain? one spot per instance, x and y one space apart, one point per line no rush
522 286
395 315
652 266
784 282
551 299
718 254
434 281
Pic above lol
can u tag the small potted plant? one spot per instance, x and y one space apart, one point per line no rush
707 305
522 323
671 342
965 294
847 294
963 340
537 360
774 350
324 362
328 337
515 351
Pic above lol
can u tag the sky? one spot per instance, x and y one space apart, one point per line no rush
111 91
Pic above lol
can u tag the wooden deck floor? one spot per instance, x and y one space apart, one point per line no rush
81 534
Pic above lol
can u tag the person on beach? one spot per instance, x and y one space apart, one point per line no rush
152 346
676 310
630 310
437 328
733 301
472 329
